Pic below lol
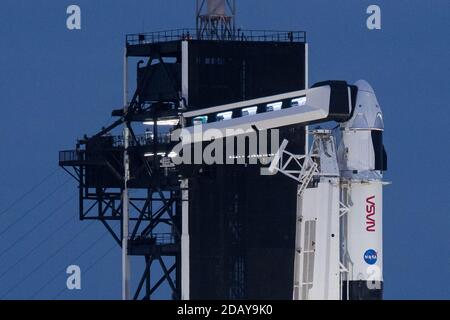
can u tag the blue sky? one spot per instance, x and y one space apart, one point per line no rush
56 85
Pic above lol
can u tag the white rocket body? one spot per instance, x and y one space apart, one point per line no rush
364 237
360 158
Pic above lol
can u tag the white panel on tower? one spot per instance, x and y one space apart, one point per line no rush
317 248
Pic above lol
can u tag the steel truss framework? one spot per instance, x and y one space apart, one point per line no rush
216 26
155 212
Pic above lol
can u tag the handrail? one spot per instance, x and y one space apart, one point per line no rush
238 35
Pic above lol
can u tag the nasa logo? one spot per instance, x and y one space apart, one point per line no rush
370 256
370 212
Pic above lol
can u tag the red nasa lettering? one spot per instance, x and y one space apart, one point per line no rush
370 212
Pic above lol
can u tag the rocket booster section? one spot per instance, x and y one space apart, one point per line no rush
362 159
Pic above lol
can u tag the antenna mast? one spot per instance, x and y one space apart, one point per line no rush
216 19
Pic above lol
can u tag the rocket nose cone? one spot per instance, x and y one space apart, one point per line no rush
363 85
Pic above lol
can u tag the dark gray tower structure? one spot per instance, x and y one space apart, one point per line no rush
206 231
